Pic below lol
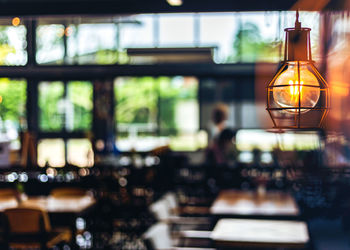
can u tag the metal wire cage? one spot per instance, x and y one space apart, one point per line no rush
297 96
299 113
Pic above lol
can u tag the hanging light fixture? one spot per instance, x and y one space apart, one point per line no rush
297 96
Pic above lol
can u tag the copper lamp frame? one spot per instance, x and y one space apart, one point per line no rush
298 51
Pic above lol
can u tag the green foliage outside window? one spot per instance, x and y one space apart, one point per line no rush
74 111
13 100
50 93
249 46
147 100
136 100
80 95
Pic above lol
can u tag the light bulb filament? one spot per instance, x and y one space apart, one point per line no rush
294 90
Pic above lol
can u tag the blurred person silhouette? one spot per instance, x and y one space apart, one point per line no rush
222 150
219 118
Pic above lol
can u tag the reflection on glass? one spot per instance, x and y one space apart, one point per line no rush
12 109
79 153
51 153
51 106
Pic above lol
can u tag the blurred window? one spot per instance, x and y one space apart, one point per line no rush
51 96
83 43
157 111
65 106
176 30
249 139
13 45
92 43
135 27
258 37
246 37
218 30
50 44
12 109
51 152
79 153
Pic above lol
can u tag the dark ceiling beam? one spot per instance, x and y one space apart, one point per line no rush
87 72
100 7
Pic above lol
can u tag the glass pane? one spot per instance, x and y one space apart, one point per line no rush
51 106
136 104
12 109
176 30
218 30
178 104
79 106
51 153
258 38
13 45
93 43
50 44
131 30
142 128
79 153
249 117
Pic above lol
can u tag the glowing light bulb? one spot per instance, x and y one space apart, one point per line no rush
288 91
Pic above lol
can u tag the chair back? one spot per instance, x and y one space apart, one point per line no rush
160 210
67 192
171 198
25 220
158 236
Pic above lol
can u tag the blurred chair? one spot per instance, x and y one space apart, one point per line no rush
63 192
30 228
162 211
158 237
177 209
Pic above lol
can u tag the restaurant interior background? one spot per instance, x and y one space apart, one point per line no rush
117 97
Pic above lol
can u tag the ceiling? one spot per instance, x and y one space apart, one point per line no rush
101 7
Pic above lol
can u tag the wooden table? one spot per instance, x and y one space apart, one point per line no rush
230 203
61 205
50 204
260 233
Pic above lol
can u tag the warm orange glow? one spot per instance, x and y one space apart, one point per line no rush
68 31
294 91
340 89
0 99
16 21
289 94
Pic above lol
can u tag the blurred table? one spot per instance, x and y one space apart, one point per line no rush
230 203
61 205
50 204
7 202
260 233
